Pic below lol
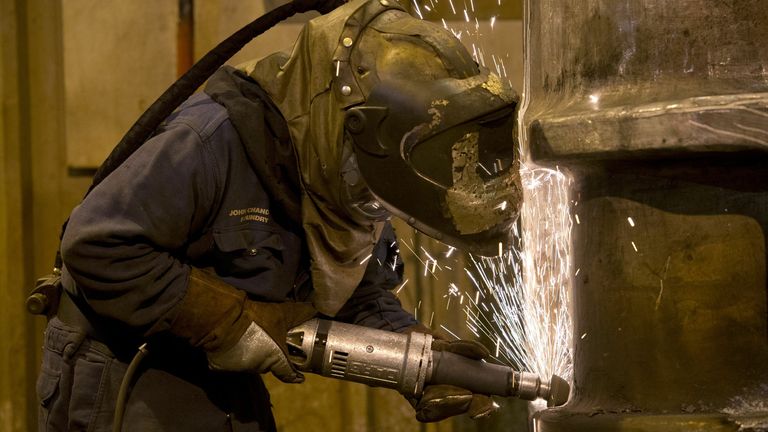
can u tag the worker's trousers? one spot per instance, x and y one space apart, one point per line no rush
172 391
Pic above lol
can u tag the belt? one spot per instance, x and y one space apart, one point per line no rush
70 314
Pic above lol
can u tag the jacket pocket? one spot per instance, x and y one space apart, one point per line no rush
246 251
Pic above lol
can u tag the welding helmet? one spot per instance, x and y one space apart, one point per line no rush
433 141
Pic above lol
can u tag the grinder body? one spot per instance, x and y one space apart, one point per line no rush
407 363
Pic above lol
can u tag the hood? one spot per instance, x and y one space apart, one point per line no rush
338 61
302 87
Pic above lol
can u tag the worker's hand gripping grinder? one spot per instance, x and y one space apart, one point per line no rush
406 363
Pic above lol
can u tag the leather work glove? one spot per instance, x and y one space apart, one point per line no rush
238 334
441 401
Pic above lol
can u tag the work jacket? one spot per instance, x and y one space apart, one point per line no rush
189 197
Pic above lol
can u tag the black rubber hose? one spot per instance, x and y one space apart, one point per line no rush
122 394
180 90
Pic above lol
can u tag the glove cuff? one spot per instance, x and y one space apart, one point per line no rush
210 316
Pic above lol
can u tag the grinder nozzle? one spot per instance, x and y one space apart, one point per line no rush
555 390
559 390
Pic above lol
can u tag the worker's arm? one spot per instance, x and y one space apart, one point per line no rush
124 244
125 248
375 305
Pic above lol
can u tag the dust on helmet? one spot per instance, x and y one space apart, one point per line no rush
433 140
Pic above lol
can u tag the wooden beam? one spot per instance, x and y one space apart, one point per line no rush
16 374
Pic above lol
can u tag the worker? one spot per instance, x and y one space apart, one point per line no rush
250 211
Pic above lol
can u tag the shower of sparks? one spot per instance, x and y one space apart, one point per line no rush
427 264
400 288
631 221
418 10
453 289
519 300
484 168
527 290
431 259
449 332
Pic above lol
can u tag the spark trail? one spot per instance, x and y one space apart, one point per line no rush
518 302
521 299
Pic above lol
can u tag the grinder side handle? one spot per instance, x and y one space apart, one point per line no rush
474 375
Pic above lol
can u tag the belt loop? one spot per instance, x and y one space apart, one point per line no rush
72 347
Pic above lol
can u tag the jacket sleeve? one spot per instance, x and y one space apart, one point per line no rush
124 244
373 303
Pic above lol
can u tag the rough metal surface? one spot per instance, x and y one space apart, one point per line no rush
660 112
670 309
637 76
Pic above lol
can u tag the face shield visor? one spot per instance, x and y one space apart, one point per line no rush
441 155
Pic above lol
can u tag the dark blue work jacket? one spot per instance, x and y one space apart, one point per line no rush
188 197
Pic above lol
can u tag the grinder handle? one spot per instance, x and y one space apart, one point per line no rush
476 376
